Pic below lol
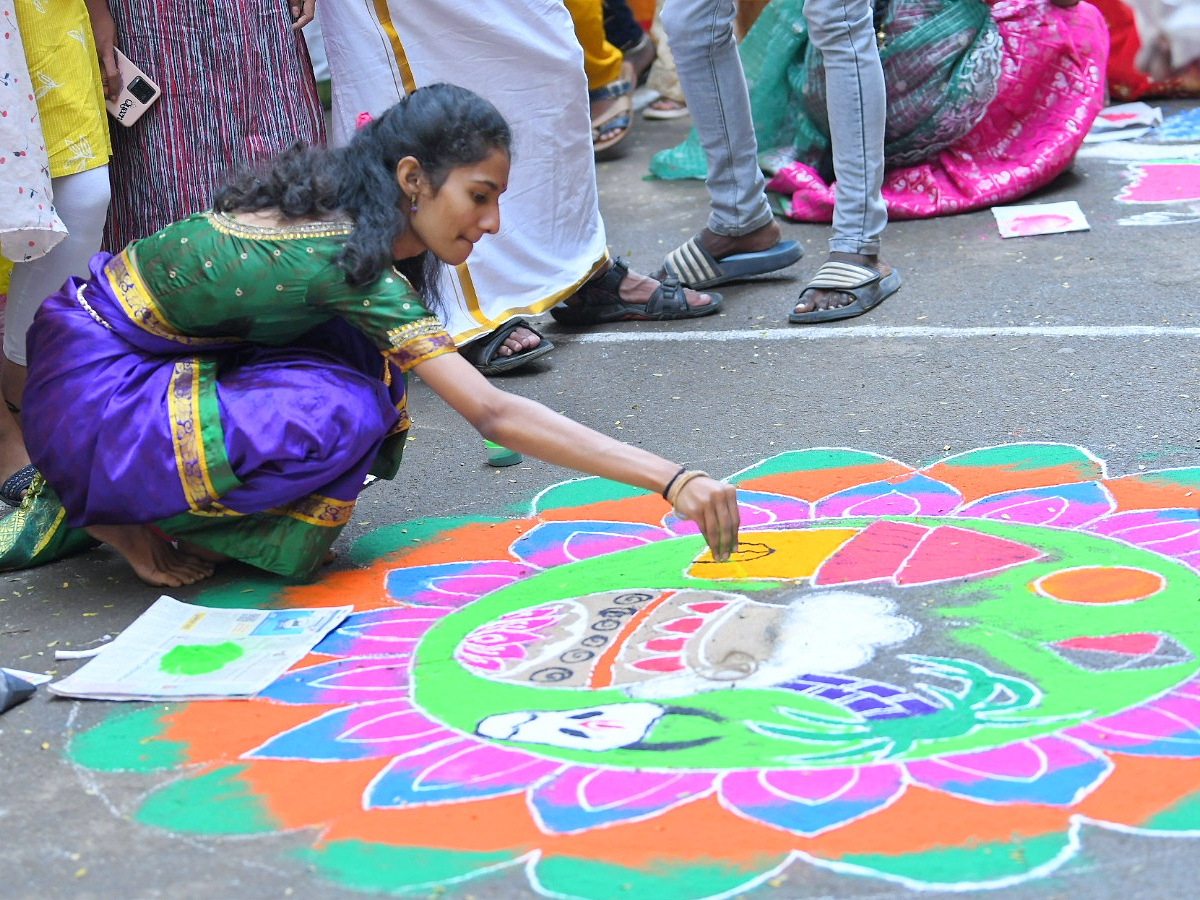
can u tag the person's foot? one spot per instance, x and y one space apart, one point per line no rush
641 57
599 107
665 108
153 560
637 288
721 245
521 340
829 299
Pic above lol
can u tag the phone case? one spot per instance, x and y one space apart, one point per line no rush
138 93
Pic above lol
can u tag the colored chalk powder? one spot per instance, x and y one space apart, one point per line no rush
1100 584
499 456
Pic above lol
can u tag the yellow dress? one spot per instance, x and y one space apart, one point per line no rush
61 55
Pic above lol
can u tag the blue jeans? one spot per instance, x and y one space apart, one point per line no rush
700 33
844 32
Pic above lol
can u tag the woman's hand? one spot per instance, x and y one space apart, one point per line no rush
302 13
104 30
713 507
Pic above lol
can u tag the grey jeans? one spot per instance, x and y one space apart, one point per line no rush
700 33
844 32
701 37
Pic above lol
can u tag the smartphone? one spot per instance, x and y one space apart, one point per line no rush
138 92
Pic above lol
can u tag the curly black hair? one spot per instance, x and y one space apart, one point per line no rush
442 126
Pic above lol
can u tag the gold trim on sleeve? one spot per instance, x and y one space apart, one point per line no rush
418 341
227 224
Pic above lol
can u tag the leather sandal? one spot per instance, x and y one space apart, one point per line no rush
599 301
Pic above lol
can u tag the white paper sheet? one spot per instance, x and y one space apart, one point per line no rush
185 652
1040 218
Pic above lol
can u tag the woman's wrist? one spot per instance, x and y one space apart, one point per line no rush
681 481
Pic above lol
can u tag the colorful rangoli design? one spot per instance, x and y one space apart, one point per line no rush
586 695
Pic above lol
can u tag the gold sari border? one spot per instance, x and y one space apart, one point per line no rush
323 512
141 308
183 407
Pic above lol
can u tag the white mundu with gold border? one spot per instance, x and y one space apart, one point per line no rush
521 55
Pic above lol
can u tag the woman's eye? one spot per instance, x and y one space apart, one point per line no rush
480 199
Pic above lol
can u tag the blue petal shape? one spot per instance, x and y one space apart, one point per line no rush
452 585
453 770
910 495
355 680
365 731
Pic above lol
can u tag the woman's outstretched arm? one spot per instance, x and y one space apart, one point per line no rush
530 428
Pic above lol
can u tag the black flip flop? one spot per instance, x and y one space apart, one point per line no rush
484 353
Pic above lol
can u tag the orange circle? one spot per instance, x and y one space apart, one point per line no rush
1100 584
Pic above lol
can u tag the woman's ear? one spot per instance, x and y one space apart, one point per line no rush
409 175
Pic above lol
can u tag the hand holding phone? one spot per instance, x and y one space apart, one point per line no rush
138 92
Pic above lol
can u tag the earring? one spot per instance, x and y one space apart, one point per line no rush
413 208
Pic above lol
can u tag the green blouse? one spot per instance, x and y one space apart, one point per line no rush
211 279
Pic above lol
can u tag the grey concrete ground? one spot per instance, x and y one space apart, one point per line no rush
942 366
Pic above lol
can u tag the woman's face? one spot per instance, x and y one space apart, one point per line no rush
450 220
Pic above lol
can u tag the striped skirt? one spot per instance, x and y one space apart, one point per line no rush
237 86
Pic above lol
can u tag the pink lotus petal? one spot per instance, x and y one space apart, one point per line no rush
582 797
1166 726
452 585
457 770
1059 506
1049 770
912 495
757 508
810 802
1172 532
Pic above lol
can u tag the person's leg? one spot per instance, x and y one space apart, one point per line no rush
603 64
740 218
844 32
620 26
663 77
82 202
711 76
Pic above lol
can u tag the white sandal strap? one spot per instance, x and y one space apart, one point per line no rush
834 275
691 264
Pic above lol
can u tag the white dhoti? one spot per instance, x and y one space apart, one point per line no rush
521 55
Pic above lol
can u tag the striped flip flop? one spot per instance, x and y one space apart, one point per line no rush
866 286
696 268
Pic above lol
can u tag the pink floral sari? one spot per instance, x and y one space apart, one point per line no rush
1051 88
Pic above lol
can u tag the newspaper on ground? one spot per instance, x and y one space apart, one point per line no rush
1040 218
181 651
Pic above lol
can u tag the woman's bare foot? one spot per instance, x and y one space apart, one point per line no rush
823 299
329 557
154 560
201 552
